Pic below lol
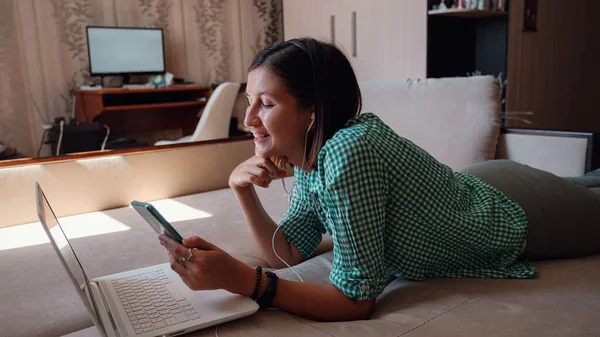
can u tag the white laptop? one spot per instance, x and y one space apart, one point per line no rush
151 301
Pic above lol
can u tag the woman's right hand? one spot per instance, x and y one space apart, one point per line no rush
255 171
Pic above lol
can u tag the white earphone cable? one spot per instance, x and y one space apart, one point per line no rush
279 257
292 189
60 137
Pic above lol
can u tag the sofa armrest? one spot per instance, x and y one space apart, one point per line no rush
81 185
566 154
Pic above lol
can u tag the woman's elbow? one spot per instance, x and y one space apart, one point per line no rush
359 310
364 309
293 258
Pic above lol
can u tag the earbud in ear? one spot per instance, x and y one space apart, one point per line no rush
312 120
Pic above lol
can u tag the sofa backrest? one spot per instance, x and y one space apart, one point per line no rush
457 120
75 186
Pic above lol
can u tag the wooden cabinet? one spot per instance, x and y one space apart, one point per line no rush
308 18
128 111
383 39
391 39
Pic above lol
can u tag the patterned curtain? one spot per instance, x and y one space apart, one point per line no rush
43 50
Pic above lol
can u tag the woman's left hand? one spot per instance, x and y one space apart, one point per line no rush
209 267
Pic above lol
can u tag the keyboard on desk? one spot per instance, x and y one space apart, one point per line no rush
151 301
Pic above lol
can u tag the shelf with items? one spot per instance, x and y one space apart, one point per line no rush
466 13
467 36
467 42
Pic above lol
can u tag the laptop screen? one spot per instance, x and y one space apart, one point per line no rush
63 247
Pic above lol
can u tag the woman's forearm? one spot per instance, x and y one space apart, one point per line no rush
322 302
262 228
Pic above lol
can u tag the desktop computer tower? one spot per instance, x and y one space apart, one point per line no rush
80 137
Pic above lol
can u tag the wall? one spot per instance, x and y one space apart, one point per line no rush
43 49
555 72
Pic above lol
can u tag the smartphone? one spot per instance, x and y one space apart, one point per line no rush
156 220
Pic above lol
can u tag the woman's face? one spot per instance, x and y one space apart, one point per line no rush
279 126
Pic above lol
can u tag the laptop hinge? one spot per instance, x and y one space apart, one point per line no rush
104 311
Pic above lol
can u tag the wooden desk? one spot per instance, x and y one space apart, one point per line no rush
128 111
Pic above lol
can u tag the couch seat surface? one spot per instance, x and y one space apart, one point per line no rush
563 300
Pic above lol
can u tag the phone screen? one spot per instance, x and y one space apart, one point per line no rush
149 213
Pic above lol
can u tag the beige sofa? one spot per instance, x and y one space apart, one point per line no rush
457 120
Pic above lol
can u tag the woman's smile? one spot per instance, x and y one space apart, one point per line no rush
260 138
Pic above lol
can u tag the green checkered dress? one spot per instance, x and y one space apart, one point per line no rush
395 211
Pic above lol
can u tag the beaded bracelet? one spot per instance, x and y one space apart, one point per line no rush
258 282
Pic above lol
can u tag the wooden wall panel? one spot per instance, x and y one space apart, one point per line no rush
555 72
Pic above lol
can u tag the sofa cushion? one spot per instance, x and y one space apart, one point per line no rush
457 120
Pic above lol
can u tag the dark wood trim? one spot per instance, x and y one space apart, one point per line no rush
98 154
466 13
172 88
152 106
565 134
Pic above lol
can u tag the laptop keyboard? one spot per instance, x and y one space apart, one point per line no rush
151 301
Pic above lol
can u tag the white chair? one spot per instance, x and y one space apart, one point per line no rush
214 121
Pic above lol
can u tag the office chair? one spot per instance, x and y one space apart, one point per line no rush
214 121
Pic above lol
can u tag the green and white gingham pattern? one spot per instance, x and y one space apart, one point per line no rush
395 211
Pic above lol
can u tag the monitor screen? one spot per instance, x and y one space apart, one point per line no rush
125 50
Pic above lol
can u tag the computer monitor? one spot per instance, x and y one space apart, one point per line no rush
125 51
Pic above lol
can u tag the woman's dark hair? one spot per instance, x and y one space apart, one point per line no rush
315 73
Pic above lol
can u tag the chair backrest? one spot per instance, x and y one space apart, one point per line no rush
214 121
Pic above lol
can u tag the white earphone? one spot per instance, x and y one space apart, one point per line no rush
312 121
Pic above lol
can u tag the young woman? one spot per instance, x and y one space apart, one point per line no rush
391 209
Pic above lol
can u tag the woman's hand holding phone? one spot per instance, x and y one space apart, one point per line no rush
209 266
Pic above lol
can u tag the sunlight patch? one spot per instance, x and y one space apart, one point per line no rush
175 211
77 226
